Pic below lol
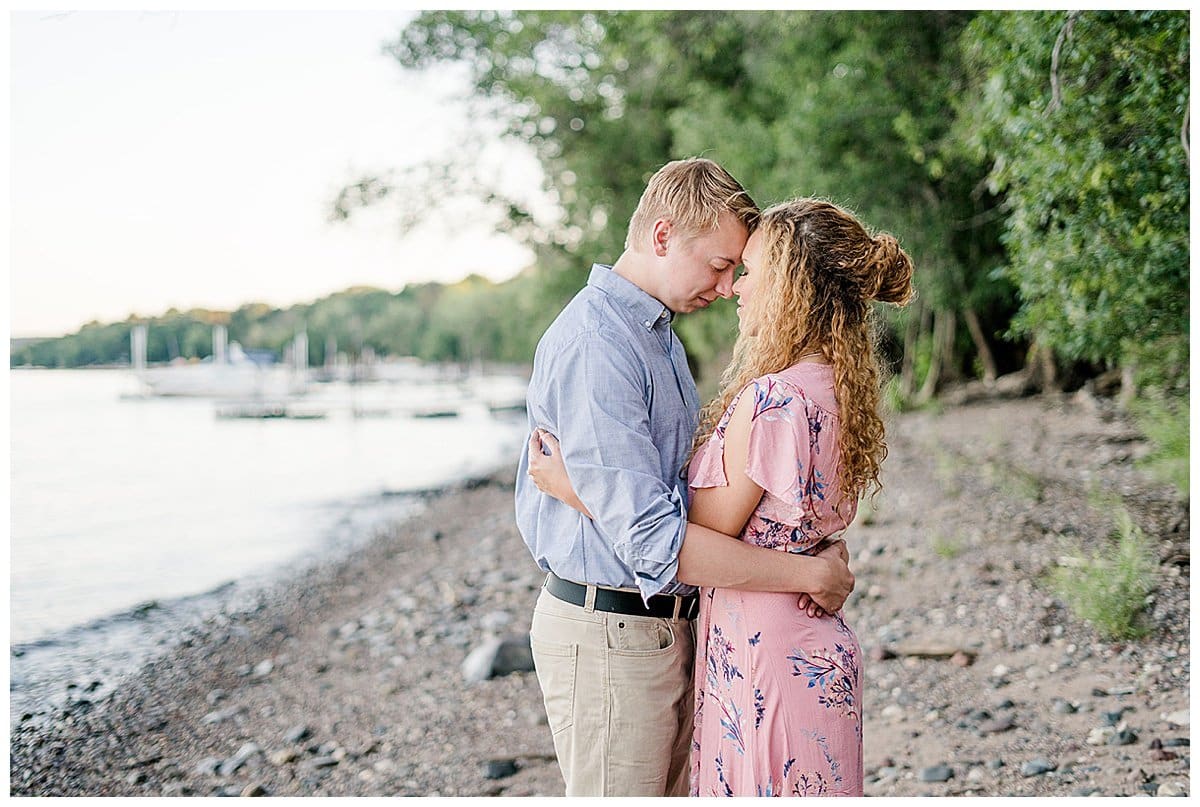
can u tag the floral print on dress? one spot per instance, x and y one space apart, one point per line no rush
778 709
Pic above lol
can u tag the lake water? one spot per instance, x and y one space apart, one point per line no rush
130 517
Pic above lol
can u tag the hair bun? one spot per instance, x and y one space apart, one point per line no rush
891 272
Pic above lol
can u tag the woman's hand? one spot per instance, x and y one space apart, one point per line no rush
839 556
548 471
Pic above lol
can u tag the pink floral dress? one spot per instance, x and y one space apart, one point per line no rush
778 693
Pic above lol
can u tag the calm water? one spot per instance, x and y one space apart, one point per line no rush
117 503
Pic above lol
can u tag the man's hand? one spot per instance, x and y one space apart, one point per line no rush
837 579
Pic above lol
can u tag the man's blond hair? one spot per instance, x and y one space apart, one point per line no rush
691 194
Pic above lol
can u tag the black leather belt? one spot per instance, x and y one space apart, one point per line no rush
662 606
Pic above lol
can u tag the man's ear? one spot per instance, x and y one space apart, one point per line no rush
660 236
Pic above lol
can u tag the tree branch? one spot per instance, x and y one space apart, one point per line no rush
1055 85
1183 132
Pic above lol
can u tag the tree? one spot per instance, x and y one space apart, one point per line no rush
1083 116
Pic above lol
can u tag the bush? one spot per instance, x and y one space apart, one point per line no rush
1109 588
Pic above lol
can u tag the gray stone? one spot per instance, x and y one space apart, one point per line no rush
176 789
496 657
319 762
1000 724
297 733
1084 791
136 778
221 715
207 766
235 762
1171 789
283 756
1036 767
263 668
1062 707
214 696
1125 737
1180 718
1177 742
255 789
936 773
499 768
996 764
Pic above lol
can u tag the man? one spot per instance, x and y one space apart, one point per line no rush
612 638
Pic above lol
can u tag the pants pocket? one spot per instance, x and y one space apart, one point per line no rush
555 665
638 635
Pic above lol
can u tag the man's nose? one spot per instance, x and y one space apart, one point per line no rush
725 285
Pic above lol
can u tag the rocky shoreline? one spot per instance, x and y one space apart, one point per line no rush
348 679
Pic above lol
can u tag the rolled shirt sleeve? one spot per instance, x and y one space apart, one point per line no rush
598 393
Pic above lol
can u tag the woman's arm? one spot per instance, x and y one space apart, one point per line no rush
709 555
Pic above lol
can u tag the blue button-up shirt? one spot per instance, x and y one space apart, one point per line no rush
611 382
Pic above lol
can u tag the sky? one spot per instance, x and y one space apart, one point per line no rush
190 159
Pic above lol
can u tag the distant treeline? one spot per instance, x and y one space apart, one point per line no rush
472 319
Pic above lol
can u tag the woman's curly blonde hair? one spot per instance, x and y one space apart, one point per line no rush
820 271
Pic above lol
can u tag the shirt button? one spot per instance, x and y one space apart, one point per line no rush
647 324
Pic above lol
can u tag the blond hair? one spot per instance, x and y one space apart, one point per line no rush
820 271
692 194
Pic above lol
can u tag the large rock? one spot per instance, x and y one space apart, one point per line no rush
496 657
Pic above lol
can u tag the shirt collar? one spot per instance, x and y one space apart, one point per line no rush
648 310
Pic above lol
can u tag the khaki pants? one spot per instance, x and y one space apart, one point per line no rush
618 694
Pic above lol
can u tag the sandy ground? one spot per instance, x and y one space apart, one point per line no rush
346 680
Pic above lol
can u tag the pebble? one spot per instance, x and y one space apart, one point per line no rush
214 696
207 766
936 773
1101 735
1124 737
1084 791
996 764
1005 704
255 789
1036 767
891 711
263 668
297 733
1171 789
283 756
1062 707
319 762
1177 742
235 762
136 778
976 774
1000 724
499 768
221 715
1113 718
1180 718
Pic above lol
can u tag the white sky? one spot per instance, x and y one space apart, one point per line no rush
189 158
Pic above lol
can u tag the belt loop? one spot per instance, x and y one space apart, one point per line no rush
678 605
589 599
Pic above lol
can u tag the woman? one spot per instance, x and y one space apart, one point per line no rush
790 443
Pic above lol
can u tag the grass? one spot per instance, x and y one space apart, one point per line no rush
1109 588
1015 482
1164 421
948 548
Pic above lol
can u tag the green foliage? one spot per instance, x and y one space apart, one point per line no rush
946 548
1095 179
1164 420
1108 588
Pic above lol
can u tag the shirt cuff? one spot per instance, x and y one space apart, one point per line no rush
653 574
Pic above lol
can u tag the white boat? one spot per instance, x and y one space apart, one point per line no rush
228 373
